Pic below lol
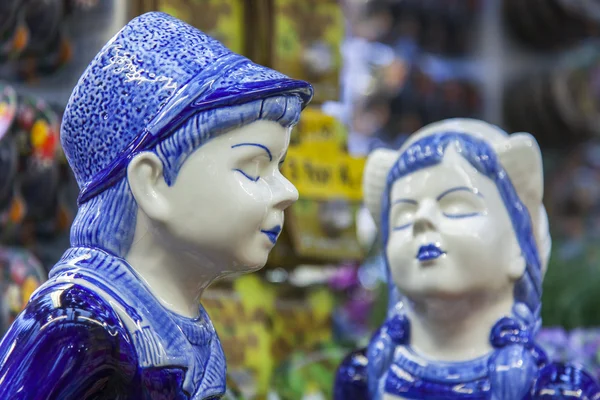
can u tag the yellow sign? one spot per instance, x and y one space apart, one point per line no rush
322 223
316 127
324 172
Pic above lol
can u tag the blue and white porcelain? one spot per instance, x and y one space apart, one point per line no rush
466 244
176 144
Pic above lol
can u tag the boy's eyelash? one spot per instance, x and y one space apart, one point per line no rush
253 179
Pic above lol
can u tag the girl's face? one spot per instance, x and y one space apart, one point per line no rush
450 234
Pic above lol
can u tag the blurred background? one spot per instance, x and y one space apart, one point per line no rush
381 69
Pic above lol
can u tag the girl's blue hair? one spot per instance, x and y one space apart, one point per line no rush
108 220
430 151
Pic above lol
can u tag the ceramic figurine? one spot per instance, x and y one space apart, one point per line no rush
466 244
176 144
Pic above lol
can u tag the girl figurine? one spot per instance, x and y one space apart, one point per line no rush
176 144
466 244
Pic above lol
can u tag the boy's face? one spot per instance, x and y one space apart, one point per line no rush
227 203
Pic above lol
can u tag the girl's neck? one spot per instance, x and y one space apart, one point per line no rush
456 329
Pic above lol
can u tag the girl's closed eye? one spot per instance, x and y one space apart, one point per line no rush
461 202
403 212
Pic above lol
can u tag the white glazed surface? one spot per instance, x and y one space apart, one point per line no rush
219 217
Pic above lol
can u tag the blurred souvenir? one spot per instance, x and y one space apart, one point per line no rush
33 209
437 27
552 24
559 106
423 70
371 20
20 274
35 132
33 42
8 151
13 32
48 48
425 93
76 5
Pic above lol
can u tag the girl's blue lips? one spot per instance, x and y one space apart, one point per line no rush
429 252
272 233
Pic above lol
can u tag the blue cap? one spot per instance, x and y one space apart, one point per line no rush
156 72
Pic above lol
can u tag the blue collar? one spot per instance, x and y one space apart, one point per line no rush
442 372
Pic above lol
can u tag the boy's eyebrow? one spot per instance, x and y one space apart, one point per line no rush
265 148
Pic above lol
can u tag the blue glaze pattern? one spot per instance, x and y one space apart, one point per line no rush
516 368
94 330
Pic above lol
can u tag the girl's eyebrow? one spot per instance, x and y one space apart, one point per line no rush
459 189
265 148
409 201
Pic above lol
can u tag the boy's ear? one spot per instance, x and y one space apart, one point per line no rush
147 184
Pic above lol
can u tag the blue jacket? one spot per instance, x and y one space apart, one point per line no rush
94 331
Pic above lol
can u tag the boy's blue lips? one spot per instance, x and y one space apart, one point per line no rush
273 233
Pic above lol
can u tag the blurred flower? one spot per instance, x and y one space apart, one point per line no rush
344 278
555 342
580 346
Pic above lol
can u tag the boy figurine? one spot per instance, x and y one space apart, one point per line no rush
176 144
